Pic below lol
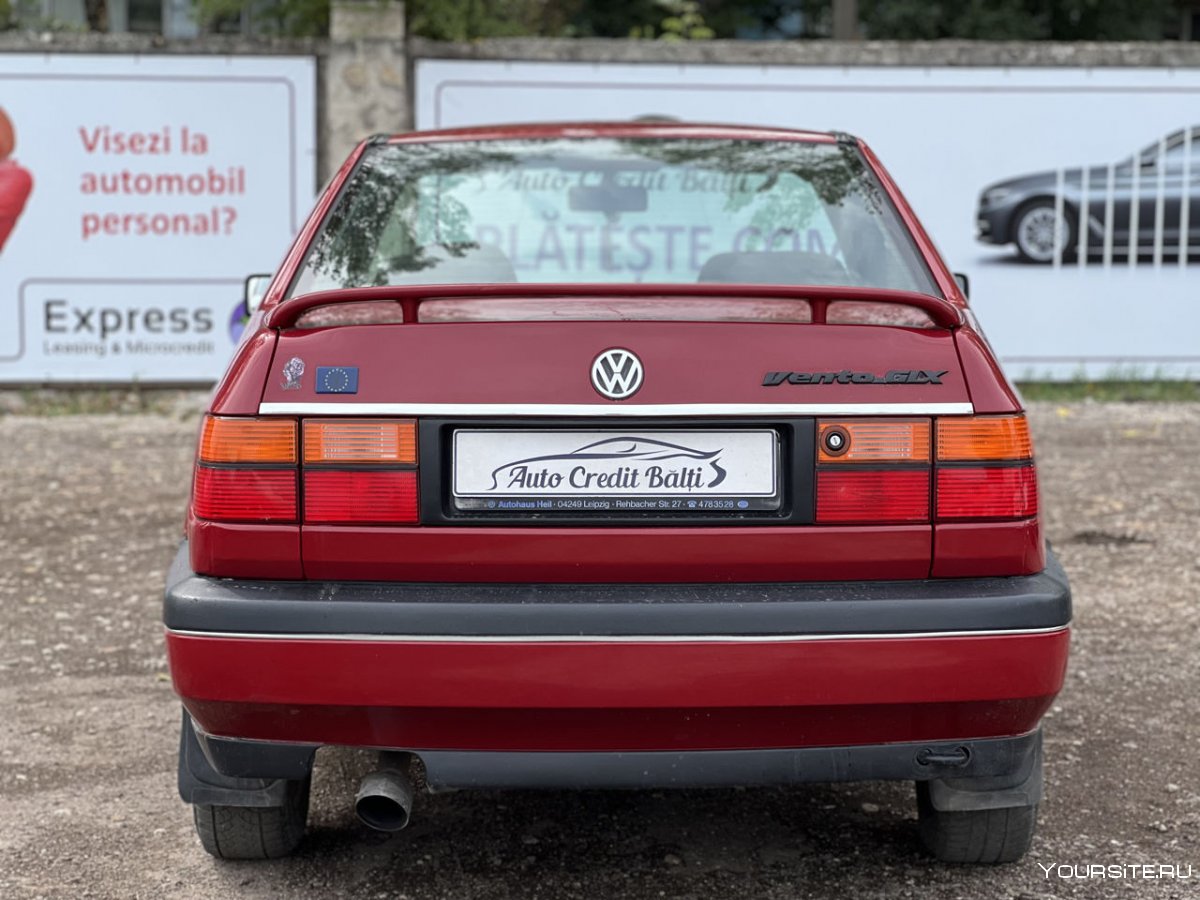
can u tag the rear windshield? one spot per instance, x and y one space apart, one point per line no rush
613 210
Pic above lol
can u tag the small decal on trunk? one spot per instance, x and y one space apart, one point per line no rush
337 379
292 373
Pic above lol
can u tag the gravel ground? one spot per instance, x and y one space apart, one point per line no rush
90 514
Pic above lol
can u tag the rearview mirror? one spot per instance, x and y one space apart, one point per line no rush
964 284
254 292
607 198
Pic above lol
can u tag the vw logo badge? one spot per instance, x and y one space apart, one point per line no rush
617 374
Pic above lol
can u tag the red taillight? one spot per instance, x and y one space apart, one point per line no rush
987 492
245 495
355 471
385 496
246 470
867 470
360 471
854 495
984 469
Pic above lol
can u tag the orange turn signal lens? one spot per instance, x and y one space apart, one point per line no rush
873 440
360 441
984 437
230 440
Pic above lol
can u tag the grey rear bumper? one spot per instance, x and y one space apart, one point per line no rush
195 603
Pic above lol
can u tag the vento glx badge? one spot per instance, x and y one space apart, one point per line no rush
846 376
617 373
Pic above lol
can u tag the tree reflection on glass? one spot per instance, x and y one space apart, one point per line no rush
428 211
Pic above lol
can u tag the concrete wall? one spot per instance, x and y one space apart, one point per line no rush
365 66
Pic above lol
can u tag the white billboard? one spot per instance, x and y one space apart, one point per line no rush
136 194
1042 142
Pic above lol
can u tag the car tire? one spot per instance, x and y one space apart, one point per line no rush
986 836
254 832
1033 231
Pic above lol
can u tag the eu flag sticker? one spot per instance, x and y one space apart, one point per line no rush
337 379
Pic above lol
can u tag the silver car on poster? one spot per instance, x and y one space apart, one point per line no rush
1143 205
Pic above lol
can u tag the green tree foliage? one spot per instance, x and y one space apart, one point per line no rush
769 18
286 18
1059 20
682 21
468 20
596 18
1005 20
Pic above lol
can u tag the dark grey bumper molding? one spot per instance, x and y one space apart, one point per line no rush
196 603
987 773
993 764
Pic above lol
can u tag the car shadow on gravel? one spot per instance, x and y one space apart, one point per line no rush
694 843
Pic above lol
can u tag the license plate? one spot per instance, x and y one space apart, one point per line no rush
529 472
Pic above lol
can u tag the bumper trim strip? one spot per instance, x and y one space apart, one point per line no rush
620 410
609 638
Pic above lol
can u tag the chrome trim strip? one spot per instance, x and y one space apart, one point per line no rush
612 638
451 410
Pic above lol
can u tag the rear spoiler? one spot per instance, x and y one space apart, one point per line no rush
410 297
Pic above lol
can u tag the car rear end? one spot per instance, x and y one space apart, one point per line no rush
618 535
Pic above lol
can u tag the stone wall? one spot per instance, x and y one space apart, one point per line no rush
366 76
364 67
1163 54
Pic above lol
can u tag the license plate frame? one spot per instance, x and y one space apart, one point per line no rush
726 471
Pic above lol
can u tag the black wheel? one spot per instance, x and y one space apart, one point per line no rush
1036 228
976 836
254 832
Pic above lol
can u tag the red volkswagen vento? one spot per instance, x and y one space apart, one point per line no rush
615 455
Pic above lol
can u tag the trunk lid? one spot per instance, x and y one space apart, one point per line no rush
701 380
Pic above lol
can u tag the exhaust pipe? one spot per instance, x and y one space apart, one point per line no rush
385 797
